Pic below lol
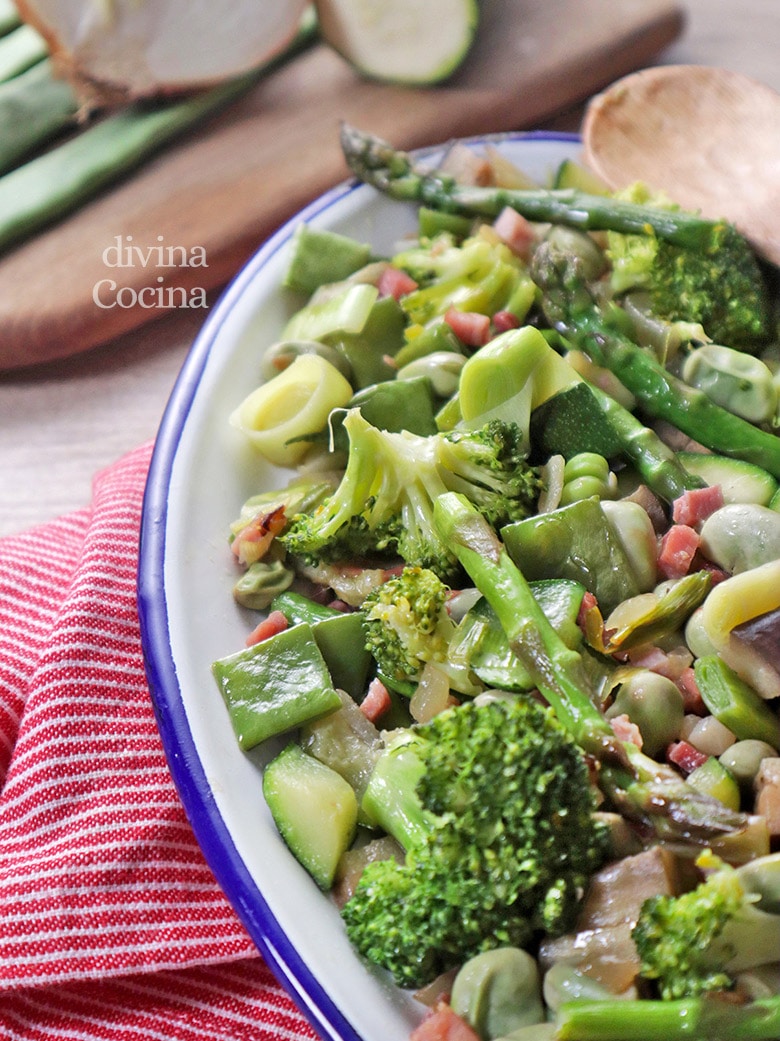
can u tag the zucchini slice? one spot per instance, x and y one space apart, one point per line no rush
402 42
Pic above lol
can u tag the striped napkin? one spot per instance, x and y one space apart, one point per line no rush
111 923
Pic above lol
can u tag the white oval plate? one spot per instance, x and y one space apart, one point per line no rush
202 471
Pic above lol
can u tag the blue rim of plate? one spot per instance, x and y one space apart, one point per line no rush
186 769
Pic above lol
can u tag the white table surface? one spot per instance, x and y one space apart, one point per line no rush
61 422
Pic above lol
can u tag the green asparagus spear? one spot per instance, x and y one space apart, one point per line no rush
393 172
643 790
34 108
19 50
710 1018
60 180
569 306
654 461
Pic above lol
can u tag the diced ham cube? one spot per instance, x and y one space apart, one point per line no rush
443 1025
685 756
395 282
275 623
695 506
515 231
471 328
692 699
376 702
678 548
503 321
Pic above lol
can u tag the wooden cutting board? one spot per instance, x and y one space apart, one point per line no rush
217 194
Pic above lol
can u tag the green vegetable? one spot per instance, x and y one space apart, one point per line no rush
406 624
569 306
654 704
735 380
347 742
497 854
314 808
9 16
339 636
481 644
570 422
739 481
60 180
689 1019
571 174
260 583
283 417
578 542
498 991
406 42
322 256
35 106
743 761
20 49
384 503
638 787
714 779
395 173
380 339
585 475
476 274
264 700
736 704
719 285
695 943
339 308
741 536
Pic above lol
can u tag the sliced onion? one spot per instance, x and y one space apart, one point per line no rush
432 695
138 48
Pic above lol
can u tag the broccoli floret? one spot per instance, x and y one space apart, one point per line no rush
502 843
407 624
695 943
384 502
721 287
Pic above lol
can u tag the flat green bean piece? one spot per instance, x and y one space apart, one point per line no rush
56 183
19 50
9 16
35 107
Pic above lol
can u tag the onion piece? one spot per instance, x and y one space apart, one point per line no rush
117 50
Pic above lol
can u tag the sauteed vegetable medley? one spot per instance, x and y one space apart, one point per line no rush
517 628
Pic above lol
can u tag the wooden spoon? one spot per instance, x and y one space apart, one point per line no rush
707 137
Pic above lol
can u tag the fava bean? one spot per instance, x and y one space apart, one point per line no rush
734 380
654 704
260 583
743 759
741 536
499 991
281 355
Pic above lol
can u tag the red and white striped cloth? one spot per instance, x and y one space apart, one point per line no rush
111 924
